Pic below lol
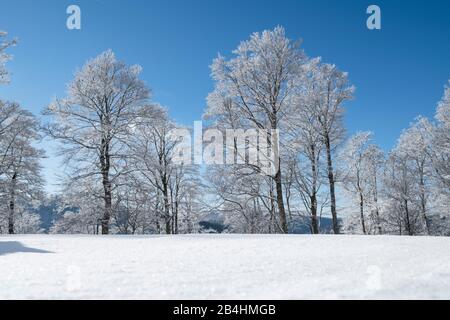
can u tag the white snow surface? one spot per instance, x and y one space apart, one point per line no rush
224 267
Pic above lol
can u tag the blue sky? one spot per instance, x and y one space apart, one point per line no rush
399 71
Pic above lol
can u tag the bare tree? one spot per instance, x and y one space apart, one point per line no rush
4 57
400 192
21 181
413 146
255 89
95 121
374 164
332 90
440 151
307 146
12 118
356 174
153 151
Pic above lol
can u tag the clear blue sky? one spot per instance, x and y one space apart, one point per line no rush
399 71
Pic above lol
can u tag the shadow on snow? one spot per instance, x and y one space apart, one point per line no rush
9 247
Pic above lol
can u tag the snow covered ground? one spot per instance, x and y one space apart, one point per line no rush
223 267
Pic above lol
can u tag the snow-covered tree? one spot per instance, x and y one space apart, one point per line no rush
307 147
156 171
4 57
440 154
247 201
401 212
332 90
152 155
20 180
133 211
27 222
361 163
95 121
80 207
374 160
12 123
355 174
254 90
413 146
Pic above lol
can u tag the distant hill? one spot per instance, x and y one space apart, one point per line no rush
215 223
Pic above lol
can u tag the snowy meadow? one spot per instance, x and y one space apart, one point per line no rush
224 267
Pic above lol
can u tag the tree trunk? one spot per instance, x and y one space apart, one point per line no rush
280 202
176 217
108 204
375 199
12 203
272 226
166 207
331 183
423 203
176 206
313 197
408 223
105 166
278 181
314 222
361 210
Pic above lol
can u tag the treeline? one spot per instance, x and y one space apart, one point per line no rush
21 182
271 83
121 175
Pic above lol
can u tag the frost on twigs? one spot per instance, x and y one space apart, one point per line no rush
4 57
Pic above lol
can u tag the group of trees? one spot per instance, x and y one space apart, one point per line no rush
119 156
270 83
119 172
20 170
403 192
121 176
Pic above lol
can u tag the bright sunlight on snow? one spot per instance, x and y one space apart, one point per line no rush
224 267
